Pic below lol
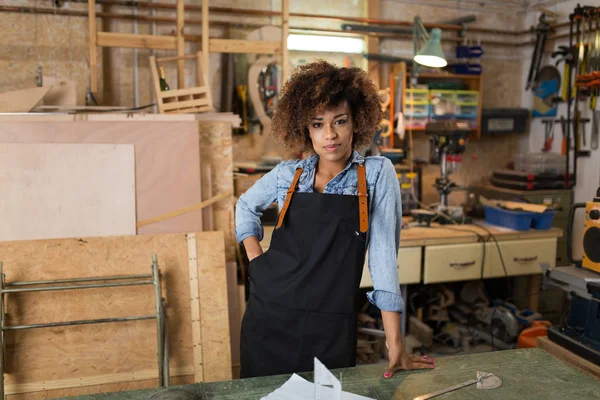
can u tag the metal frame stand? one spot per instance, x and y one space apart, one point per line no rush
84 283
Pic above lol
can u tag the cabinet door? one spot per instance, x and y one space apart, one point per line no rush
409 267
456 262
521 257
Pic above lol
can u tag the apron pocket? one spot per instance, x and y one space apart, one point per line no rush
349 243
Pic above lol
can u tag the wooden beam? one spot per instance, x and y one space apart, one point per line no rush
180 44
372 11
163 42
245 46
205 39
131 40
285 26
93 51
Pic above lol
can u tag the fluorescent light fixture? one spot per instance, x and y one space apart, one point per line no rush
333 44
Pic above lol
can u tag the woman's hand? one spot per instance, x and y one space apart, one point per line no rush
399 360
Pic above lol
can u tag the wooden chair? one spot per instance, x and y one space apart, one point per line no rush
182 100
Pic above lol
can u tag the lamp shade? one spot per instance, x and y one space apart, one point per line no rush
432 55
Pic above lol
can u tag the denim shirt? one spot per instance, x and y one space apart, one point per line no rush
385 214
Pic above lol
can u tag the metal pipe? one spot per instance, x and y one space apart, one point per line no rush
159 323
53 288
79 322
195 38
136 66
265 13
72 280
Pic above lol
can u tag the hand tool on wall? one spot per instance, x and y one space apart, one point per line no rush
548 135
567 56
542 29
563 125
595 129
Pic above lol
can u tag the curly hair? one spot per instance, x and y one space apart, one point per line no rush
316 87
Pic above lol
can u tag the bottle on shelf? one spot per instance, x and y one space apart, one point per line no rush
164 86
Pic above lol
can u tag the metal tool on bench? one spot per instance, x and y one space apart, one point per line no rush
448 140
484 380
90 283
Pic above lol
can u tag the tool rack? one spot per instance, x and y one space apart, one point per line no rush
90 283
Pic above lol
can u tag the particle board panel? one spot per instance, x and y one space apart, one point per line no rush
48 193
216 150
167 161
89 351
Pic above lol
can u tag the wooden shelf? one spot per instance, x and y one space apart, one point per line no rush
448 76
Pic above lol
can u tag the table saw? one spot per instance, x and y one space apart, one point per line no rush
525 374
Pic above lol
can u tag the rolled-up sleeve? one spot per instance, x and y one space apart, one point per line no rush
384 240
252 203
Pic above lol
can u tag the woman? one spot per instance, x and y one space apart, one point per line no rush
304 289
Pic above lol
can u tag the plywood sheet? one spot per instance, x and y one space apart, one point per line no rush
167 162
66 190
67 353
21 100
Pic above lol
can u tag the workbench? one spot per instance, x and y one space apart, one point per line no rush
453 253
525 374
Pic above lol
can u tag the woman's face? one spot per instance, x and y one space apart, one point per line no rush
331 133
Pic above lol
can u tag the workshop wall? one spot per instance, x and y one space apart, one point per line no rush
502 70
588 169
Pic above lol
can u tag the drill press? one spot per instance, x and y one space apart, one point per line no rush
448 140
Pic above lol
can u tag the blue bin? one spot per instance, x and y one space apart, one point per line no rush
517 220
543 220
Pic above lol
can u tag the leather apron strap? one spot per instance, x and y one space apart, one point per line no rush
288 197
362 198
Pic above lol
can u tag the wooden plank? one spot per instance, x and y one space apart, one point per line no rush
176 58
92 35
17 388
372 11
167 160
285 26
184 92
186 210
101 388
205 39
191 110
245 46
63 92
139 41
39 182
565 355
207 193
214 311
180 44
202 77
51 354
195 307
235 317
21 101
180 105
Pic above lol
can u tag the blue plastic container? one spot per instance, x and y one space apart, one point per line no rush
543 221
517 220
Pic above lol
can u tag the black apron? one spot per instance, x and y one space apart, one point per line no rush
304 288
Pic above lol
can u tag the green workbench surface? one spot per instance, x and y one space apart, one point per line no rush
526 374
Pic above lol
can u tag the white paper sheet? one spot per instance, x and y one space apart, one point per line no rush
298 388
